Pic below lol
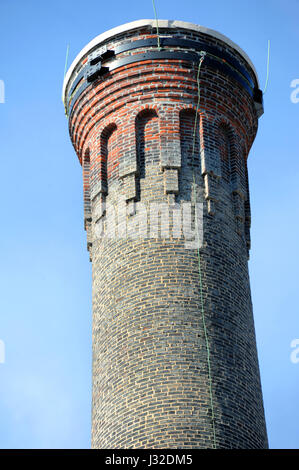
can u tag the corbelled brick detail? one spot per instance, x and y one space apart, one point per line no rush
133 132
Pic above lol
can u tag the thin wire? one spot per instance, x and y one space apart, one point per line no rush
268 61
65 69
199 262
197 108
157 24
66 59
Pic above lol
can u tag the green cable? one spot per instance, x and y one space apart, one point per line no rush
66 59
157 24
199 261
268 61
65 68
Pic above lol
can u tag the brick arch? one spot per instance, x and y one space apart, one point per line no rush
87 196
98 144
236 150
228 137
109 154
247 209
147 136
147 139
86 181
89 128
232 150
146 108
187 118
225 144
204 123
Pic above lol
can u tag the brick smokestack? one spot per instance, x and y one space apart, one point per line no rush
132 110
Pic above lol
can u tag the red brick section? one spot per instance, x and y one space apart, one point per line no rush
133 133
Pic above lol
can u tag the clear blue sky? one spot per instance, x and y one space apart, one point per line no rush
45 302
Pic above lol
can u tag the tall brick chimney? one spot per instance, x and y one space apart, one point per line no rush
174 351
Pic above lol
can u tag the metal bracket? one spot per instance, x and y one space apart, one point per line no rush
95 71
100 54
94 67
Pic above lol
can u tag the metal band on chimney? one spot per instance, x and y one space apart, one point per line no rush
215 59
